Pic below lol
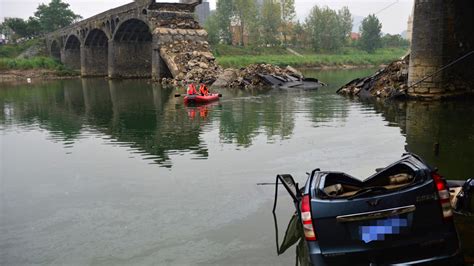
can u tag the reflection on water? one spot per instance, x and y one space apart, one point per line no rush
88 163
441 132
150 120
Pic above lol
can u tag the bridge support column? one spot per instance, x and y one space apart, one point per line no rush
440 36
71 58
111 60
155 63
159 69
427 47
94 61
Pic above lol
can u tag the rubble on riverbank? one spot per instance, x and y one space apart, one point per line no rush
388 82
192 62
251 76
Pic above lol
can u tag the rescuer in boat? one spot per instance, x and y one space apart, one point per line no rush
203 90
191 89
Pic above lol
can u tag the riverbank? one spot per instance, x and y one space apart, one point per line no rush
41 67
349 58
17 75
34 68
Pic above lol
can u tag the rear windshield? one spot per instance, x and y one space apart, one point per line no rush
340 185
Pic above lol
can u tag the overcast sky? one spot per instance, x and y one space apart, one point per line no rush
394 17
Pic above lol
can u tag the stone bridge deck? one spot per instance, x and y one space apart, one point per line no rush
125 42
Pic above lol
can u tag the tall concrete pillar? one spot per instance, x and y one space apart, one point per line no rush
442 34
427 47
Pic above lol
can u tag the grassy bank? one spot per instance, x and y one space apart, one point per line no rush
30 63
36 66
39 64
228 58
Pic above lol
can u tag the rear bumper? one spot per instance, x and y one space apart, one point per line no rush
406 256
454 259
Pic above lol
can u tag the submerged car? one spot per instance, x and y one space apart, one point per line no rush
400 215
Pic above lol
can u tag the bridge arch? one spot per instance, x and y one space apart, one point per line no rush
132 49
71 56
95 53
55 50
132 30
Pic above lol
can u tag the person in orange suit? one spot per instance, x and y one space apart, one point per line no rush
203 90
191 89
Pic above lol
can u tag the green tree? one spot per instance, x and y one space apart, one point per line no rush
224 14
324 29
245 11
18 25
24 28
299 35
33 27
55 15
370 29
346 22
212 28
395 40
270 21
254 28
288 15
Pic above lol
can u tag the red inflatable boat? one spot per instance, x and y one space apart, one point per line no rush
197 99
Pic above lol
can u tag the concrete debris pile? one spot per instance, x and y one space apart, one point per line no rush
253 76
388 82
190 61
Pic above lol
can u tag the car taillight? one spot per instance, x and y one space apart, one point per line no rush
308 228
443 194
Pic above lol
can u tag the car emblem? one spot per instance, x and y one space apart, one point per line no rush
374 202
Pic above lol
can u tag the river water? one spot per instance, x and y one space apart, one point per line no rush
121 172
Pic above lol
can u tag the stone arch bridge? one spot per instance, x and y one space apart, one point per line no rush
125 42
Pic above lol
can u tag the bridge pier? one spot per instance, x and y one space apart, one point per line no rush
111 60
155 63
94 61
71 58
442 33
159 69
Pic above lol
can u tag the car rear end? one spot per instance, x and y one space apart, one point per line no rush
379 222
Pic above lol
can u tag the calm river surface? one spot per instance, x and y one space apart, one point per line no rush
121 172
